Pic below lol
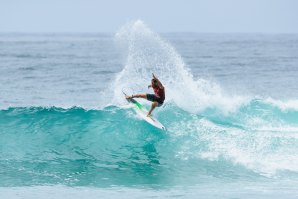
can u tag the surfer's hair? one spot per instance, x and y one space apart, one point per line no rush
154 82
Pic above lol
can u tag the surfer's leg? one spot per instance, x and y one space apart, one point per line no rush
154 104
140 96
137 96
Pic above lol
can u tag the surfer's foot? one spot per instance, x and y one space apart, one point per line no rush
149 115
129 97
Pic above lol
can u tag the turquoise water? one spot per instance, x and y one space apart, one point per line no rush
91 147
231 114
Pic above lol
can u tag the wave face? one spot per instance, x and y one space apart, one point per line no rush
100 148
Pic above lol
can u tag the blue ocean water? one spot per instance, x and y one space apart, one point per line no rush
231 113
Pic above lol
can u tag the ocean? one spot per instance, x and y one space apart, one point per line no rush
231 113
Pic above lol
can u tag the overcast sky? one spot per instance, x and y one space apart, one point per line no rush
274 16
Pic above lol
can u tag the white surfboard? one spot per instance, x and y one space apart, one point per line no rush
142 112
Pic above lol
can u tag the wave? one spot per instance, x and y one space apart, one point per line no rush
54 144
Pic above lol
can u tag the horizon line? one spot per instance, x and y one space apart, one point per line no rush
159 32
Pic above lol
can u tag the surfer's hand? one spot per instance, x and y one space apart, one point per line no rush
149 86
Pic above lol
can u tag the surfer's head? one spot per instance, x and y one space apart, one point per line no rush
154 83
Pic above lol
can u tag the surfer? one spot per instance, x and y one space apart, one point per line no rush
157 98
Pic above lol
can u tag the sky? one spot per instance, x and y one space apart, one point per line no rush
262 16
